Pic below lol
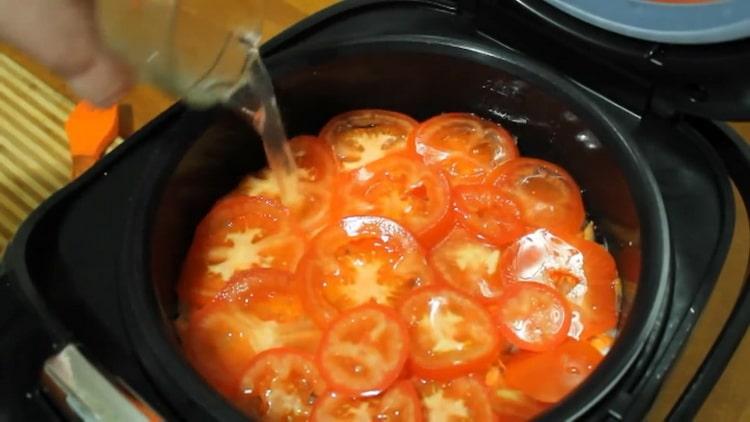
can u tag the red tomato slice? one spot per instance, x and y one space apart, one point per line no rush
508 403
599 307
405 190
280 384
552 375
459 400
487 212
468 264
239 233
451 335
399 403
316 176
258 310
357 261
547 194
463 145
532 316
361 137
583 272
364 350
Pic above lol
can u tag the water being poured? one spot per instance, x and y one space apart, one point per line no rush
255 100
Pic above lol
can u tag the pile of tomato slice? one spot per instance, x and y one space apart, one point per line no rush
426 271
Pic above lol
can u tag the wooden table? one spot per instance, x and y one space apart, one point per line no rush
730 400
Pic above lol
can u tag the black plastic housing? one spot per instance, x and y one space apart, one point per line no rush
96 264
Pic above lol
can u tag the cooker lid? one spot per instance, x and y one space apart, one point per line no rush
689 22
691 56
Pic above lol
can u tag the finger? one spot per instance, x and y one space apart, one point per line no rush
62 35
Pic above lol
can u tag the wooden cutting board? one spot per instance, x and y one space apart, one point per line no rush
34 159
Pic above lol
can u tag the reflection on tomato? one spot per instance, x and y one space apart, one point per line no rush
258 310
463 399
451 334
404 190
562 370
239 233
364 350
583 272
399 403
547 194
463 145
357 261
488 213
468 264
361 137
313 206
532 316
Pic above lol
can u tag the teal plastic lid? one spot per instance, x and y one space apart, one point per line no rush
666 21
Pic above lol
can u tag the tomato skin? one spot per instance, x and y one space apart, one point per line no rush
532 316
465 146
403 189
235 225
366 331
468 264
258 310
399 403
488 213
360 260
361 137
461 399
273 378
583 272
562 368
546 193
451 334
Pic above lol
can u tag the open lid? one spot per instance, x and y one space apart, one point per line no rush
693 56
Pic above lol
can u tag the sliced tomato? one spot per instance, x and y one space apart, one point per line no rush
280 384
361 137
360 260
532 316
599 307
582 271
547 194
552 375
364 350
405 190
489 213
509 403
240 233
465 146
451 334
399 403
458 400
258 310
316 181
468 264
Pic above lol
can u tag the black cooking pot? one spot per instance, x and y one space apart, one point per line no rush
98 262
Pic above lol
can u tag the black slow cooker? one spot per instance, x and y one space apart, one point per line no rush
87 295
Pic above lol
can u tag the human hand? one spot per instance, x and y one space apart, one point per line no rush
62 35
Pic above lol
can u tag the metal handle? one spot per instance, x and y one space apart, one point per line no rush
82 392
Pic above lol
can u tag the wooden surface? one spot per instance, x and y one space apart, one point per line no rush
730 400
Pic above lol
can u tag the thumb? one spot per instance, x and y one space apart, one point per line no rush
62 35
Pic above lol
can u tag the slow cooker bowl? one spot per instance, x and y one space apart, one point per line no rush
552 117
